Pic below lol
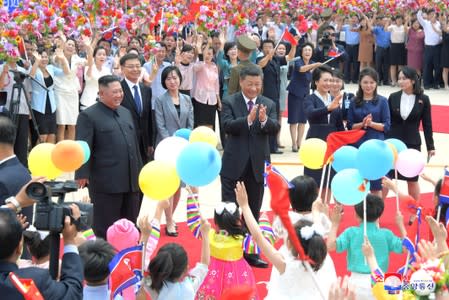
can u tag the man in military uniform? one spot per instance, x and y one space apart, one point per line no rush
245 45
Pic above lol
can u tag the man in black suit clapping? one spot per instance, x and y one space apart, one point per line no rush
248 119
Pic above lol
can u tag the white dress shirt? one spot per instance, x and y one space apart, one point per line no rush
407 103
431 37
254 103
131 87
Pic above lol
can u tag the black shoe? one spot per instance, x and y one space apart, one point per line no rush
347 81
426 87
276 152
169 233
255 261
436 87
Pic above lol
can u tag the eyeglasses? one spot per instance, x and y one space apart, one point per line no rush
133 66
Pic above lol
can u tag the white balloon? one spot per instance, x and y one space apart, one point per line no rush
170 148
422 283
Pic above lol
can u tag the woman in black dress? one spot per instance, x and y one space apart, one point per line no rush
408 108
323 113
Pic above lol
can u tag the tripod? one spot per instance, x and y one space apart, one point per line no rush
14 105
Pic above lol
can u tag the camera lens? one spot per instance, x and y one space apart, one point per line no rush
36 191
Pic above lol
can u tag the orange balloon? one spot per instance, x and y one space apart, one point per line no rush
68 155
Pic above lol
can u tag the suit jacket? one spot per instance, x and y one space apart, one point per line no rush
234 78
70 285
167 119
13 176
321 121
143 123
244 142
408 130
115 161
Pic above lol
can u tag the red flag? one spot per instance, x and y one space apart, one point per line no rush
126 269
21 47
194 8
26 287
280 204
289 37
333 53
335 140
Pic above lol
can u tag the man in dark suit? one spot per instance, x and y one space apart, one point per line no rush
113 169
248 120
137 99
13 175
70 285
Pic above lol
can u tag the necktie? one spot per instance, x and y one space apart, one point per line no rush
137 100
250 105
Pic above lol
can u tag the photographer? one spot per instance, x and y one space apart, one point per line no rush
9 72
11 239
327 48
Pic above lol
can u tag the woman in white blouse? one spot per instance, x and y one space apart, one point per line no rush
409 107
67 88
398 54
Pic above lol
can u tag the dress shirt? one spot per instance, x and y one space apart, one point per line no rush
206 86
397 34
156 86
352 37
382 37
407 103
131 87
254 103
326 102
431 37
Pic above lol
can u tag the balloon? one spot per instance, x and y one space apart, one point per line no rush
349 187
198 164
86 150
345 158
68 155
158 180
312 153
410 163
374 159
398 144
423 281
40 162
394 151
183 133
204 134
170 148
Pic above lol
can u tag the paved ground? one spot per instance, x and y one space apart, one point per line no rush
211 194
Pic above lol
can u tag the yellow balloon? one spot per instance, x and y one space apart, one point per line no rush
204 134
40 163
159 180
312 153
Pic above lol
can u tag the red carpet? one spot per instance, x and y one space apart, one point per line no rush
439 118
193 246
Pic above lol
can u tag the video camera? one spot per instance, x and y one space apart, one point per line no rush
49 216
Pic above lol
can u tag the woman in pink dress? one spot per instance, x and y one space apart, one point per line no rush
415 46
206 89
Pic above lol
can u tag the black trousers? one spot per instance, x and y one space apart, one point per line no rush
21 144
109 208
254 189
352 62
383 63
432 67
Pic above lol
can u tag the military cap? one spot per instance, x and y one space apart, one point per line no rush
246 44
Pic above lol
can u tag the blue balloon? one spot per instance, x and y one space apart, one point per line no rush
398 144
86 150
198 164
183 133
345 158
349 187
374 159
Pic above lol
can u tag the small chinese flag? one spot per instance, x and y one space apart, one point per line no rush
26 287
289 37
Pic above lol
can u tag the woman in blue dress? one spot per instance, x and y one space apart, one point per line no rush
298 89
370 112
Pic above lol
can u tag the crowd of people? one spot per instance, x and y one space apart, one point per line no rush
123 101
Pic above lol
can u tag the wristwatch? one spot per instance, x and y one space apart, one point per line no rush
14 202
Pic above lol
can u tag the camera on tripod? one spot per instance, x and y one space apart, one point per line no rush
49 216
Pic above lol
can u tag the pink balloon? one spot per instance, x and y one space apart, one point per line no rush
410 163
